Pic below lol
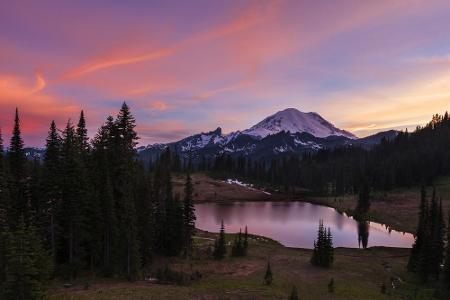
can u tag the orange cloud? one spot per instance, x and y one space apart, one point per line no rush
108 63
158 105
211 93
248 19
37 108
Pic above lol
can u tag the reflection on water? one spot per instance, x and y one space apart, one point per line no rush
294 224
363 234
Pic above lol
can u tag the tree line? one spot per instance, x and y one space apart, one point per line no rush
89 206
410 159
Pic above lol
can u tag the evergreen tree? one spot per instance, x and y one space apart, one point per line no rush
89 205
70 216
447 257
82 138
421 233
27 265
51 184
188 215
329 249
323 247
219 246
103 155
437 231
238 247
125 141
363 234
4 206
268 277
17 176
245 243
294 293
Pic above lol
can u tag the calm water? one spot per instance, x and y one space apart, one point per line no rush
294 224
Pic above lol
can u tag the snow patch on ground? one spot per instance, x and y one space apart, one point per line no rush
246 185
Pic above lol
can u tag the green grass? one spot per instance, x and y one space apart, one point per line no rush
358 274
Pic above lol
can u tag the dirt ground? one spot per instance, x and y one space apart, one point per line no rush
209 189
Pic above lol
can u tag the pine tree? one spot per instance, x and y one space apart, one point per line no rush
219 246
70 216
421 233
125 141
27 265
437 231
82 138
4 205
51 184
245 244
89 205
102 156
188 215
17 180
329 249
237 248
323 247
363 234
268 277
294 293
447 257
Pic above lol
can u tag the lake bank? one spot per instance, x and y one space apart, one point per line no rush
398 209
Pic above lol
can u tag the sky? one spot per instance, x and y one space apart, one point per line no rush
186 67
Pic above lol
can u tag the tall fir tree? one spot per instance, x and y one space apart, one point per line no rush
70 216
123 176
17 176
103 155
89 204
220 248
447 257
188 215
436 251
51 185
245 243
421 233
323 252
4 206
81 136
238 248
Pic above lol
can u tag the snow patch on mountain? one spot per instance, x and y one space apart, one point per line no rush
293 120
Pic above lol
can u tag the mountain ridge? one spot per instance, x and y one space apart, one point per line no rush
287 131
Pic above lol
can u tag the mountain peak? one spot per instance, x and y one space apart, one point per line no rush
293 120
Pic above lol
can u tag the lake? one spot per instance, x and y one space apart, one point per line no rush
294 224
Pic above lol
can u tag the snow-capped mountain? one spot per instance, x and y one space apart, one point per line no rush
288 131
294 121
